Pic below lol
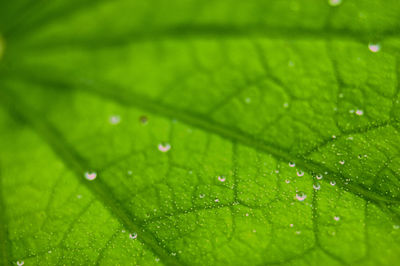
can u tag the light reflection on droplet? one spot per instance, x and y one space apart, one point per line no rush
115 119
374 47
317 186
359 112
133 236
332 183
336 218
292 164
222 178
90 175
334 2
301 196
341 162
202 196
20 263
164 147
319 176
300 173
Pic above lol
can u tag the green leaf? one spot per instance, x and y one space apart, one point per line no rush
199 132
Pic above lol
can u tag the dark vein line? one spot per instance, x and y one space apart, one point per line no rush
5 252
76 163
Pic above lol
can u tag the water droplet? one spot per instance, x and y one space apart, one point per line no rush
133 236
291 225
334 2
300 196
333 136
164 147
90 175
292 164
317 186
336 218
115 119
319 176
247 214
173 254
20 263
396 226
359 112
216 200
298 232
285 105
332 183
157 259
143 119
49 251
300 173
129 172
341 162
287 181
221 178
374 47
202 196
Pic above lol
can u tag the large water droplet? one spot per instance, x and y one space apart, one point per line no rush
292 164
222 178
133 236
90 175
300 196
164 147
374 47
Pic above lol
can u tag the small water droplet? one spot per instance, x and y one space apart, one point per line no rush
291 225
216 200
359 112
164 147
20 263
129 172
133 236
287 181
333 136
157 259
90 175
222 178
143 119
300 173
202 196
317 186
247 214
298 232
173 254
334 2
374 47
341 162
332 183
300 196
285 105
115 119
336 218
292 164
396 226
49 251
319 176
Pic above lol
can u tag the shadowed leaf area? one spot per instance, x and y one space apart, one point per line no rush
199 132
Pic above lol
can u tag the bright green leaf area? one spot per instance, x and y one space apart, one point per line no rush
220 132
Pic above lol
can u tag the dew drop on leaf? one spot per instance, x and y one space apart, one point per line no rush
90 175
341 162
334 2
133 236
319 176
300 196
336 218
115 119
396 226
300 173
292 164
20 263
374 47
222 178
332 183
202 196
359 112
164 147
287 181
317 186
